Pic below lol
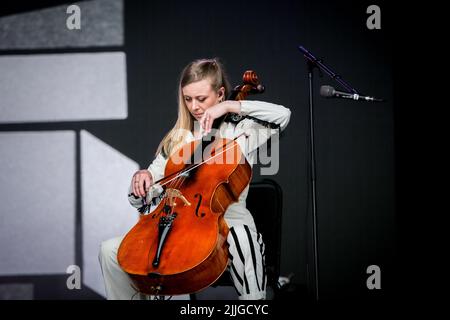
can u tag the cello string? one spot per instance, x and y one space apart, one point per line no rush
190 167
197 165
179 179
201 163
183 174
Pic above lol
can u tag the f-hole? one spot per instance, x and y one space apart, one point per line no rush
199 196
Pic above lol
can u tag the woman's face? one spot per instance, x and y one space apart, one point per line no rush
200 96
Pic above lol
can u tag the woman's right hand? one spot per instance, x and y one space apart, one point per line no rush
142 180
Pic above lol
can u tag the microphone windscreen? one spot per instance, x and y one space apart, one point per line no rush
326 91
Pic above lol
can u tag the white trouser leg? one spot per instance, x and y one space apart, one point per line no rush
247 266
117 282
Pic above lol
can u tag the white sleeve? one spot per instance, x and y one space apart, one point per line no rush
156 169
273 118
266 111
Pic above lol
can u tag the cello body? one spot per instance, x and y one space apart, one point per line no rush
180 247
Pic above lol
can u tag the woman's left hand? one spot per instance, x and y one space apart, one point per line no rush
217 111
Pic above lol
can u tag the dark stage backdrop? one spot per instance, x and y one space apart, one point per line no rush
146 44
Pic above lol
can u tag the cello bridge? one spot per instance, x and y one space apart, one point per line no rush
173 194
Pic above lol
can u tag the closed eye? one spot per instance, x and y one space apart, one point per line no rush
200 99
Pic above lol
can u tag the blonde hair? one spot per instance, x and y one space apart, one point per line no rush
195 71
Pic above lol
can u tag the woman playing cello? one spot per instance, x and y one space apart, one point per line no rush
202 93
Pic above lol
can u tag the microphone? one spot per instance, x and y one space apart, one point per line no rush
330 92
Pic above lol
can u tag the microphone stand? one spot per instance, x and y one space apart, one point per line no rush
313 62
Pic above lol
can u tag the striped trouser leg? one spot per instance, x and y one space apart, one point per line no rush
246 265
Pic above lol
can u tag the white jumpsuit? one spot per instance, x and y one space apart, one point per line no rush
246 247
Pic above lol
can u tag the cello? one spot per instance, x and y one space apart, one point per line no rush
180 247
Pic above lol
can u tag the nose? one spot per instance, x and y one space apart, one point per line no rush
195 105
